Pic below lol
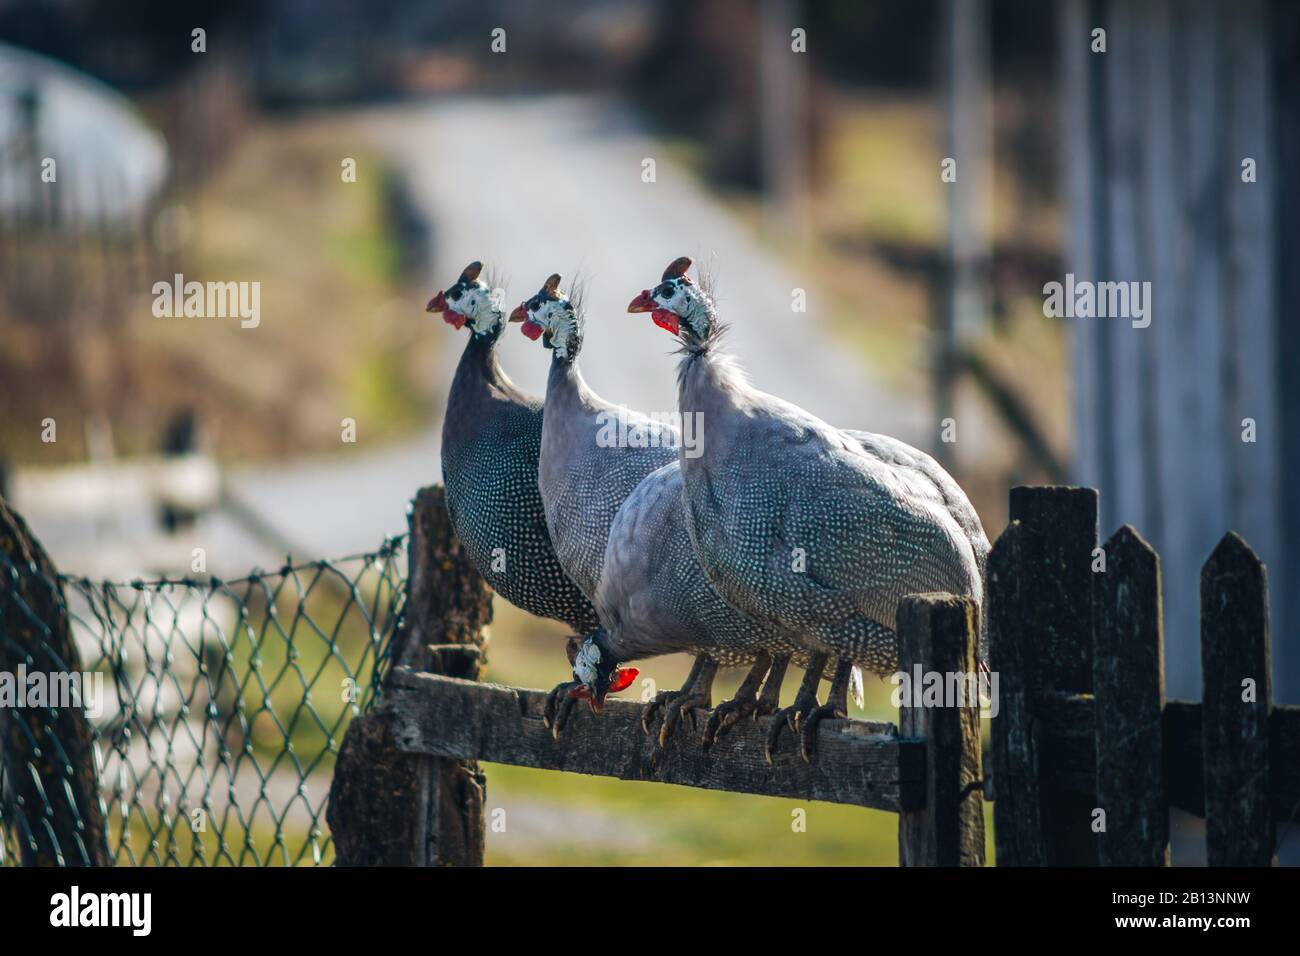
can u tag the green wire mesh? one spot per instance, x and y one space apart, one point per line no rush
223 707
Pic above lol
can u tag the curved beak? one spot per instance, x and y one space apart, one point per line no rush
449 315
644 302
520 314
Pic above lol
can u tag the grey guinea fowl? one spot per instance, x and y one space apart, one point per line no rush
593 455
654 598
803 526
491 440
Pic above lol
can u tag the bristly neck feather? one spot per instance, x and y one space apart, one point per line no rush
701 340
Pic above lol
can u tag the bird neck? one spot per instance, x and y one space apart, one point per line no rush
710 381
480 373
566 389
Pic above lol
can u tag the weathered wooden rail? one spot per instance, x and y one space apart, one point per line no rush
860 763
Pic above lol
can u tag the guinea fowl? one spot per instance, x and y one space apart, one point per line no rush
808 528
491 440
650 593
593 455
654 599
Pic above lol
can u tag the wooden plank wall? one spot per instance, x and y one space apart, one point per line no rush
1154 132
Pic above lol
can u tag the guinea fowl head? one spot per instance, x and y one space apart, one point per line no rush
470 301
597 672
555 313
679 304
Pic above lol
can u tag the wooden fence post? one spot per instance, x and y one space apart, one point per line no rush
1235 664
1017 820
1041 626
1129 687
48 752
938 635
394 808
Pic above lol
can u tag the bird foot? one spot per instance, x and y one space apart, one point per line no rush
788 717
559 707
808 728
649 710
677 704
728 713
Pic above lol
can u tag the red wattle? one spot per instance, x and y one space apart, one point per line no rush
666 319
623 678
531 329
453 318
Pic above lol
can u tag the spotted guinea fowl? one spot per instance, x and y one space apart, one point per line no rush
491 440
654 599
806 527
593 454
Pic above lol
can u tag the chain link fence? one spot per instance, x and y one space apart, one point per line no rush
215 708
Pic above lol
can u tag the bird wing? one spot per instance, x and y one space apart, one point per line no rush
874 529
930 480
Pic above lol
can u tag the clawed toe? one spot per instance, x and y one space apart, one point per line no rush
786 717
684 704
559 707
728 713
673 703
773 733
808 731
648 712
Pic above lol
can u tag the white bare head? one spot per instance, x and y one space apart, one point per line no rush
552 312
470 301
596 673
678 304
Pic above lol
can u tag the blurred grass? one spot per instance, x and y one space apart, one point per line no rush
168 839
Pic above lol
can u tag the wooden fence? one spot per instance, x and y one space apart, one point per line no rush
1087 754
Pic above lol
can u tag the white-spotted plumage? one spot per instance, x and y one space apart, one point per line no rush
491 442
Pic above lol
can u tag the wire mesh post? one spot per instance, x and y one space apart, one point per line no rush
388 807
52 788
